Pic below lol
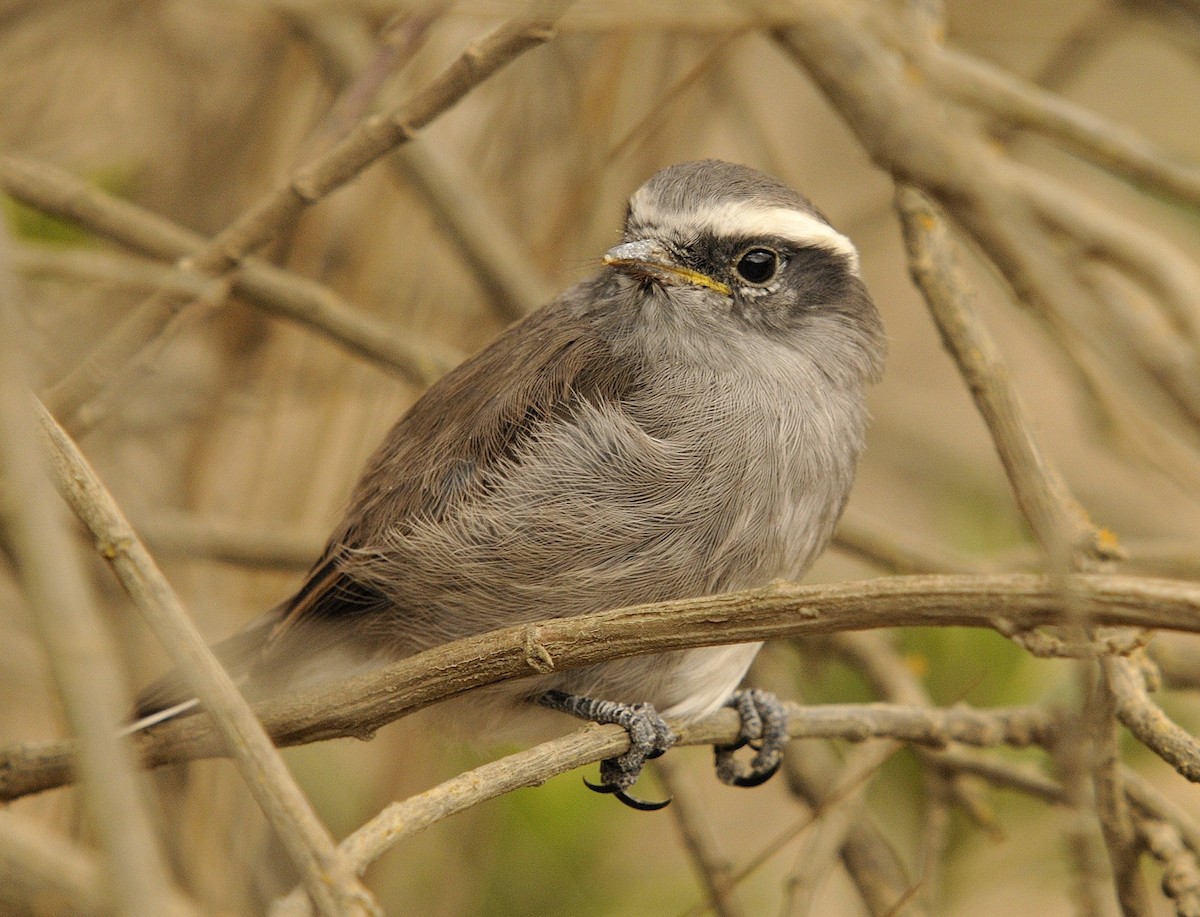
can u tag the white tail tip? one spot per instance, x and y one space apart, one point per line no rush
160 716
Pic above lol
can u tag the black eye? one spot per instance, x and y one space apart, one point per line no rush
758 265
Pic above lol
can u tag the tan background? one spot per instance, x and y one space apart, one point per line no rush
193 109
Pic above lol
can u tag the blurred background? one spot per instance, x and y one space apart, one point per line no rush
247 426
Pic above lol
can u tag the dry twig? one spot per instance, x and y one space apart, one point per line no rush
82 658
274 290
87 392
334 888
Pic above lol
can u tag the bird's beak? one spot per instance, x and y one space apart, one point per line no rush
649 259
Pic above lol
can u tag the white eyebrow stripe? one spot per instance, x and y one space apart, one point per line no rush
745 218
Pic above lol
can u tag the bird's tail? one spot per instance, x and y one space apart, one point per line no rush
169 697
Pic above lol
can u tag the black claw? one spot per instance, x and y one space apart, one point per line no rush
600 787
764 729
640 804
649 737
633 802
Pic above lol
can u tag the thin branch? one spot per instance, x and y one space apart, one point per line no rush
847 785
1093 891
872 862
1112 806
111 269
90 390
1176 660
488 247
1111 146
538 764
1181 872
197 538
1150 801
839 805
1002 774
870 859
712 867
274 290
1053 514
874 655
1141 716
82 657
1082 44
895 550
331 884
909 131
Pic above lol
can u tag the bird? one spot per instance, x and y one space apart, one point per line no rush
687 421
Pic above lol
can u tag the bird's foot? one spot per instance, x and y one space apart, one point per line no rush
764 728
649 737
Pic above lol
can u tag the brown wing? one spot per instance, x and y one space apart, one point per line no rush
438 452
435 456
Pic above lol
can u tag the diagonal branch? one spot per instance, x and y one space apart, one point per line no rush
1054 515
533 766
276 291
332 886
141 332
35 533
1112 146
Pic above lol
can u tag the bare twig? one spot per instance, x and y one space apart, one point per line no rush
81 655
107 268
847 48
872 862
1150 801
896 551
1021 104
1112 808
1145 719
536 765
869 857
1054 515
272 289
1181 872
333 887
877 659
185 535
840 808
1002 774
711 865
91 388
489 247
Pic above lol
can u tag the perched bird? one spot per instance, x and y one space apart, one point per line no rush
686 421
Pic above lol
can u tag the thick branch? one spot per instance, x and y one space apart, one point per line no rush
359 706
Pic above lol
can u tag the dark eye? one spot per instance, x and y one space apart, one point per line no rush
758 265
